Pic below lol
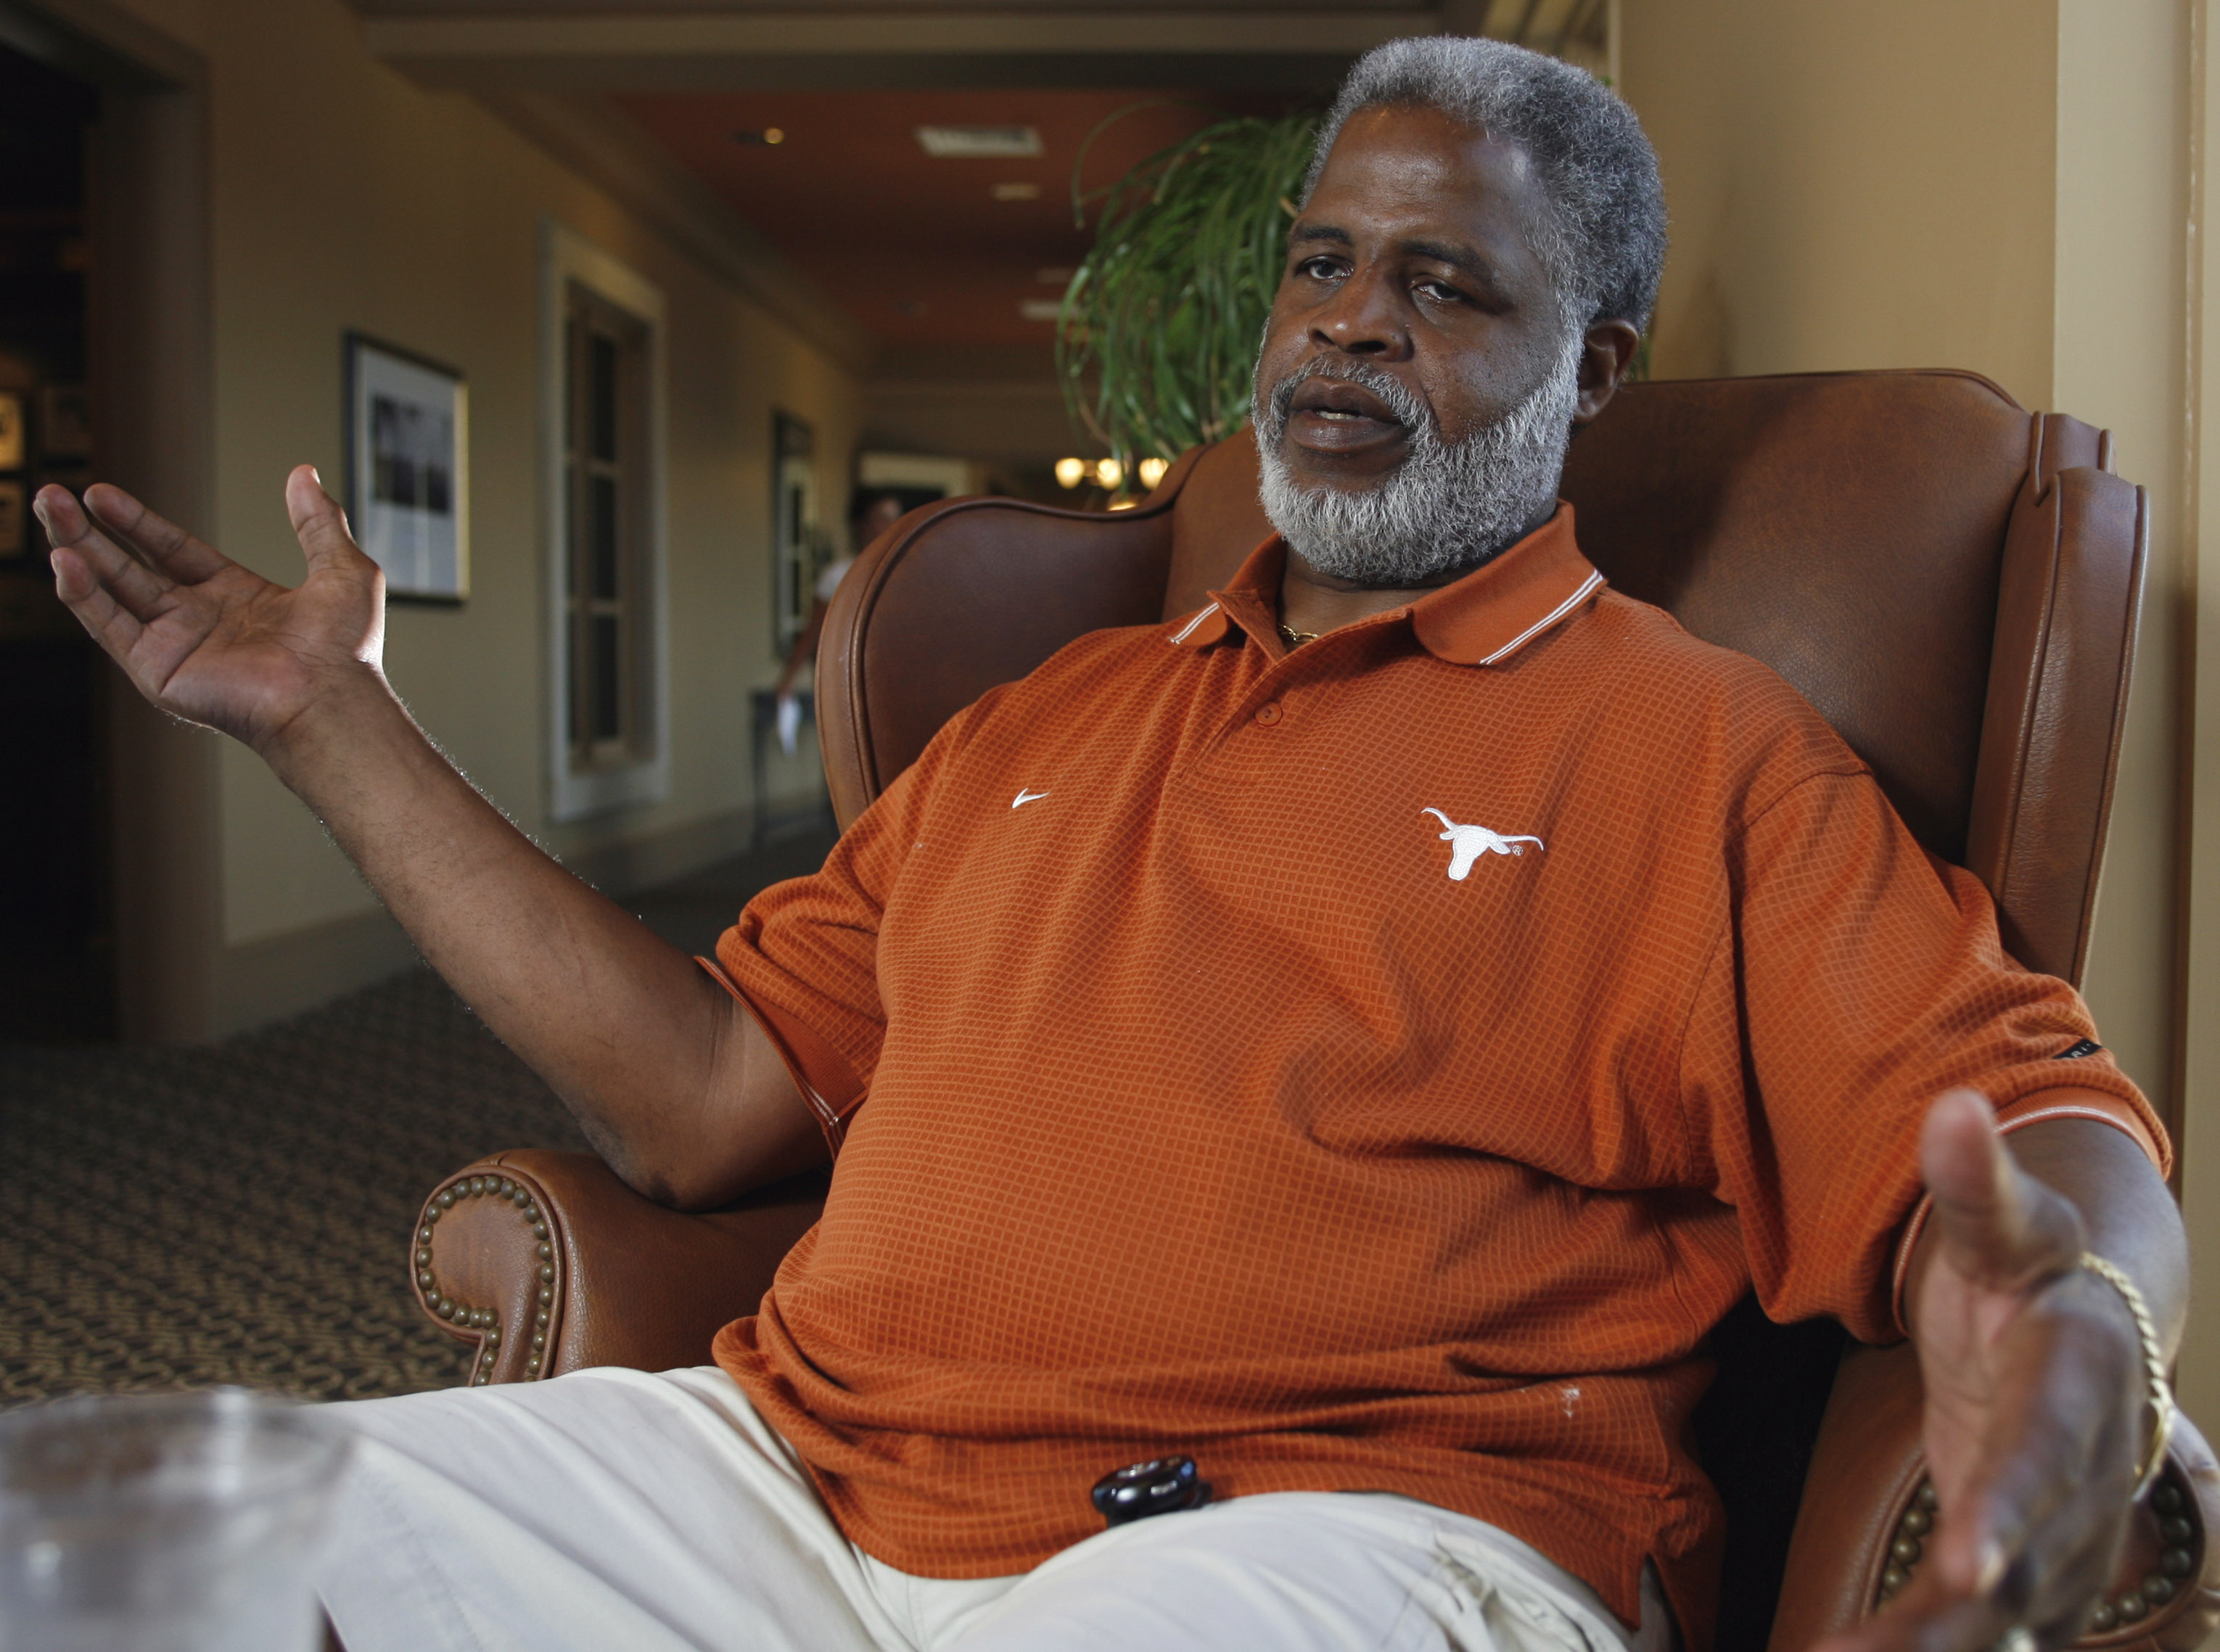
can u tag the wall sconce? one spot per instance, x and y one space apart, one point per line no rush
1108 473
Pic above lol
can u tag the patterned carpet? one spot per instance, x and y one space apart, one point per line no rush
239 1212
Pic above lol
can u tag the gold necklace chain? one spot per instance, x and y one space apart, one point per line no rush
1295 639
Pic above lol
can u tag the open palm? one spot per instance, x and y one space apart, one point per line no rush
2033 1399
199 635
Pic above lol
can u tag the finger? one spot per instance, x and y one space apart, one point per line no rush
1928 1616
2058 1574
2067 1566
165 545
57 509
318 522
1932 1616
112 626
2001 1226
129 580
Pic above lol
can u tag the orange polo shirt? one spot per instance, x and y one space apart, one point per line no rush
1373 1067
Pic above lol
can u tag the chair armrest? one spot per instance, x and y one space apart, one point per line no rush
1866 1476
548 1263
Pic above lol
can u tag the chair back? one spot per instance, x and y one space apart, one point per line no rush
1952 581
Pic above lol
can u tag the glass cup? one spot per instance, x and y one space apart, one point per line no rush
164 1523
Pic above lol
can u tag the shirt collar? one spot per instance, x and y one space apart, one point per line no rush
1481 620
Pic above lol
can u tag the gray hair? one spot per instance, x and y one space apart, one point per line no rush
1603 241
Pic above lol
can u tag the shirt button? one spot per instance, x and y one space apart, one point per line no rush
1269 713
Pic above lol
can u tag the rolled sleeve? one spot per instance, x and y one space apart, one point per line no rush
2103 1095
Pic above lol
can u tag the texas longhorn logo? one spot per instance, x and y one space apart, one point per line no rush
1468 843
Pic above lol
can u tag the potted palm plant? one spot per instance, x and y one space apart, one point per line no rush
1157 336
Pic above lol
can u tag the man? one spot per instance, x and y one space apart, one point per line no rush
1361 1036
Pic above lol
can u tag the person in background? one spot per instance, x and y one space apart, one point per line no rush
871 512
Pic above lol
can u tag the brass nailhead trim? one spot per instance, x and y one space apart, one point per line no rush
483 1319
2175 1562
1904 1549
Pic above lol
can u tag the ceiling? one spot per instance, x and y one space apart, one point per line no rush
667 7
847 229
905 269
920 251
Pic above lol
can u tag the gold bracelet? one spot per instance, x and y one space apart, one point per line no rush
2161 1394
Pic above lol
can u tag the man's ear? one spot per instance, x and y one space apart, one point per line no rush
1606 355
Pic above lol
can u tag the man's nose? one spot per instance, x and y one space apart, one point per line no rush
1363 319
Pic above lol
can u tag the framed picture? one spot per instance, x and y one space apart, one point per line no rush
409 490
11 431
798 546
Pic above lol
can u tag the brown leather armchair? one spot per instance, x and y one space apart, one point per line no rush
1952 581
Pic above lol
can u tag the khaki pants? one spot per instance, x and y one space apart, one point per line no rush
621 1512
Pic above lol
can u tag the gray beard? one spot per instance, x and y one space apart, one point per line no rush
1445 506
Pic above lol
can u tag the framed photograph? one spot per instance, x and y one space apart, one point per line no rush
409 492
799 550
11 431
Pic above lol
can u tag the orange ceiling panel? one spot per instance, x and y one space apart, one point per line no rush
920 250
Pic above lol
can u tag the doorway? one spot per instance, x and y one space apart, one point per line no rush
57 943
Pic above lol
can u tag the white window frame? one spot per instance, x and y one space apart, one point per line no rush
575 794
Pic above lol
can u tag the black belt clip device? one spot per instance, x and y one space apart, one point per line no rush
1157 1486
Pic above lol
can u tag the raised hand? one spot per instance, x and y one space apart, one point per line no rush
680 1089
2036 1397
201 636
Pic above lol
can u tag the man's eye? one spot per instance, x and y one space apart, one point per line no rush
1318 269
1439 291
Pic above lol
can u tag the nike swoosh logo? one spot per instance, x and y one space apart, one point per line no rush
1027 797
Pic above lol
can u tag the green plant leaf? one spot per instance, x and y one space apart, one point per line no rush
1157 340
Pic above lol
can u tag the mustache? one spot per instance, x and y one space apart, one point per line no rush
1410 412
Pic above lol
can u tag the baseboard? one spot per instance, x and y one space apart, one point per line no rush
266 980
620 869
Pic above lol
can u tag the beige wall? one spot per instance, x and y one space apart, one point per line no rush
2120 358
343 196
2199 1379
1851 186
2003 186
1997 184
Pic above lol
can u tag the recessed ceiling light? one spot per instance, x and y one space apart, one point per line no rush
769 135
1015 190
980 142
1040 310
